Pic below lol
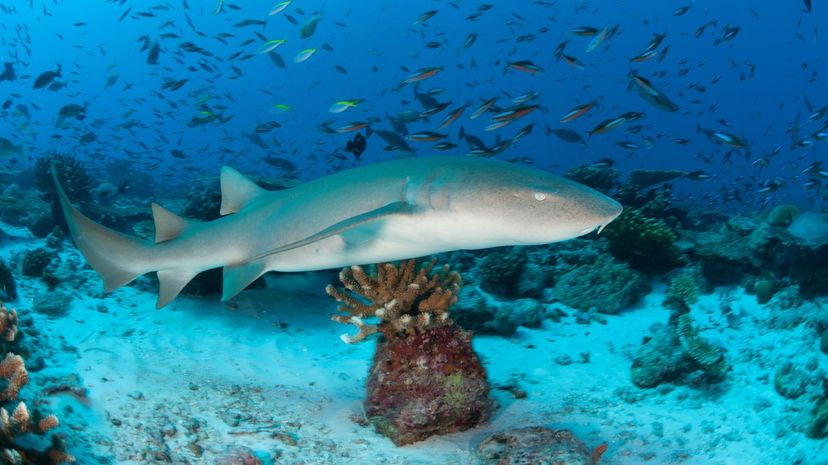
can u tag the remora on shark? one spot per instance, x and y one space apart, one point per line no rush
377 213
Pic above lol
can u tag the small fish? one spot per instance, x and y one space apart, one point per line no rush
422 74
525 66
602 163
577 111
279 7
567 135
452 117
483 108
425 136
45 78
572 61
302 56
271 45
607 125
627 145
599 452
681 11
425 16
343 105
470 40
584 31
8 72
444 146
697 175
351 127
597 40
357 145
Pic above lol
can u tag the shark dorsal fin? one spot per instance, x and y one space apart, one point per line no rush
237 191
168 225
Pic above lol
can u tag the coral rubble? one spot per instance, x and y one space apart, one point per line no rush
425 378
536 445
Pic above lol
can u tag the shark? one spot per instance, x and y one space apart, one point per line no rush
381 212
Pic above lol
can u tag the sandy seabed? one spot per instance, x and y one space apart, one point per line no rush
268 371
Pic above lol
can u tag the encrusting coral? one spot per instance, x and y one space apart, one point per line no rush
20 420
425 378
401 298
646 243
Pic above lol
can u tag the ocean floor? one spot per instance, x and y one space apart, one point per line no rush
268 371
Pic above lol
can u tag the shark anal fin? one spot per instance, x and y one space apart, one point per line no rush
168 225
171 282
394 208
238 277
237 191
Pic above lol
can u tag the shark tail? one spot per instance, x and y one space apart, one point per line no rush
117 257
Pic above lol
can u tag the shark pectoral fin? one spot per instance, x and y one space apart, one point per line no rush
394 208
237 191
171 282
168 225
238 277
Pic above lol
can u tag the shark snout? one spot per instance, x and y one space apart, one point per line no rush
610 209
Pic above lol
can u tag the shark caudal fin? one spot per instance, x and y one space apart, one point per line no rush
118 258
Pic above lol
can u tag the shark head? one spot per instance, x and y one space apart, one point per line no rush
506 204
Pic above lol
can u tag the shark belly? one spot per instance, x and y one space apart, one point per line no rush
395 238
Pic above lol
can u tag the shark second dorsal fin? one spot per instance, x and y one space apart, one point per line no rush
168 225
237 191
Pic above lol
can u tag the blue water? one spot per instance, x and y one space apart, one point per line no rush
373 42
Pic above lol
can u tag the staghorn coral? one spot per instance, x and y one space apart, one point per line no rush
646 243
425 378
21 421
402 299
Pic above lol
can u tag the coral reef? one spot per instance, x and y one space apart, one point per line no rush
8 287
74 178
536 445
481 314
425 378
605 286
35 261
646 243
676 350
783 215
600 179
21 421
499 271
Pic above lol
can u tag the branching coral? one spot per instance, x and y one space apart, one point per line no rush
403 298
20 420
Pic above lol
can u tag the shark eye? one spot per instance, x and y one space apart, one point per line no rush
540 196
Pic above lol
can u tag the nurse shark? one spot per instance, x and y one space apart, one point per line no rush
381 212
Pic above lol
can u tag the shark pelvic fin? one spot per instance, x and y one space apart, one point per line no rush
238 277
171 282
348 224
237 191
168 225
